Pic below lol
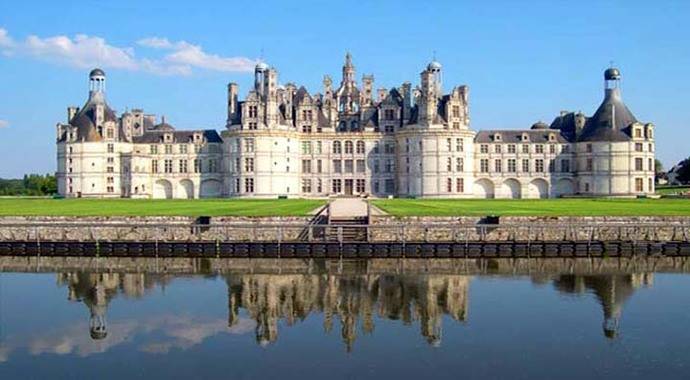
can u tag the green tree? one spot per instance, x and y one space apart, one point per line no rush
684 171
659 172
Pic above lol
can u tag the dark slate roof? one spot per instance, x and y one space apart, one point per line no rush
515 136
610 121
154 137
163 127
96 72
566 125
301 94
85 121
322 120
370 116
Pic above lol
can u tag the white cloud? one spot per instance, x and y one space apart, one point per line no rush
83 51
4 124
155 42
5 40
183 53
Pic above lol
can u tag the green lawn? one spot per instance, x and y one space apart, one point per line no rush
536 207
132 207
671 190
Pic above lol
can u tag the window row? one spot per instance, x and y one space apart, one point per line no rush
183 166
181 148
526 165
524 148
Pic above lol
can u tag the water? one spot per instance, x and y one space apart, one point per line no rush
72 318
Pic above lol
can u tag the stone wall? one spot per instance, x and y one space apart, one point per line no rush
382 229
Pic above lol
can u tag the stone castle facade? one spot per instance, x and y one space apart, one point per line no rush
353 140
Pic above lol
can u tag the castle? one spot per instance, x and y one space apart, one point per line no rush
353 140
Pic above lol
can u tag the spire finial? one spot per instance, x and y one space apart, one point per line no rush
433 56
348 59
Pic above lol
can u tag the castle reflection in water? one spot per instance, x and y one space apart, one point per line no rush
354 300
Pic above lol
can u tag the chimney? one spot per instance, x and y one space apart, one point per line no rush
233 90
71 112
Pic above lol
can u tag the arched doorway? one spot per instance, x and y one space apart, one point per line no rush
162 189
186 189
538 188
512 189
484 188
564 186
210 188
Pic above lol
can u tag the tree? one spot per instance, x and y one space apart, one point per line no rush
683 173
659 172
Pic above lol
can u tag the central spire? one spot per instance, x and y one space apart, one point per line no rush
348 69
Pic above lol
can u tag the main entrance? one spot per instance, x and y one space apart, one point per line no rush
348 187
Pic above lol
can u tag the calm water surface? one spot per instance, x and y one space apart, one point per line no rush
101 322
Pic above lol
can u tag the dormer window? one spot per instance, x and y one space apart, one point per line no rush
167 137
497 137
525 137
638 133
552 137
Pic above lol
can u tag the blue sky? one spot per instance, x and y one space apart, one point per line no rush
523 61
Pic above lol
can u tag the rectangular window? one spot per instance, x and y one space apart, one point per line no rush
348 166
183 166
638 164
484 165
306 129
389 148
306 185
483 148
168 166
449 185
390 166
154 149
459 185
639 185
249 185
389 129
449 145
248 165
539 165
498 165
512 165
111 148
337 166
638 147
565 148
361 167
306 147
525 166
539 148
111 189
249 145
253 111
376 147
213 166
319 187
110 160
168 149
449 164
525 148
306 166
459 164
337 186
389 114
319 148
565 166
590 165
456 111
497 148
376 166
183 148
360 186
552 148
589 148
650 165
319 166
511 148
389 185
154 166
458 145
552 166
456 125
197 166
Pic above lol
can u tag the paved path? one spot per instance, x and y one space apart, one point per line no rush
348 207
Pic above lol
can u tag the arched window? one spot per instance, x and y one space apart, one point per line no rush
348 147
360 147
336 147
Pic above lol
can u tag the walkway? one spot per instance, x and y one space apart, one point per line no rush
352 207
